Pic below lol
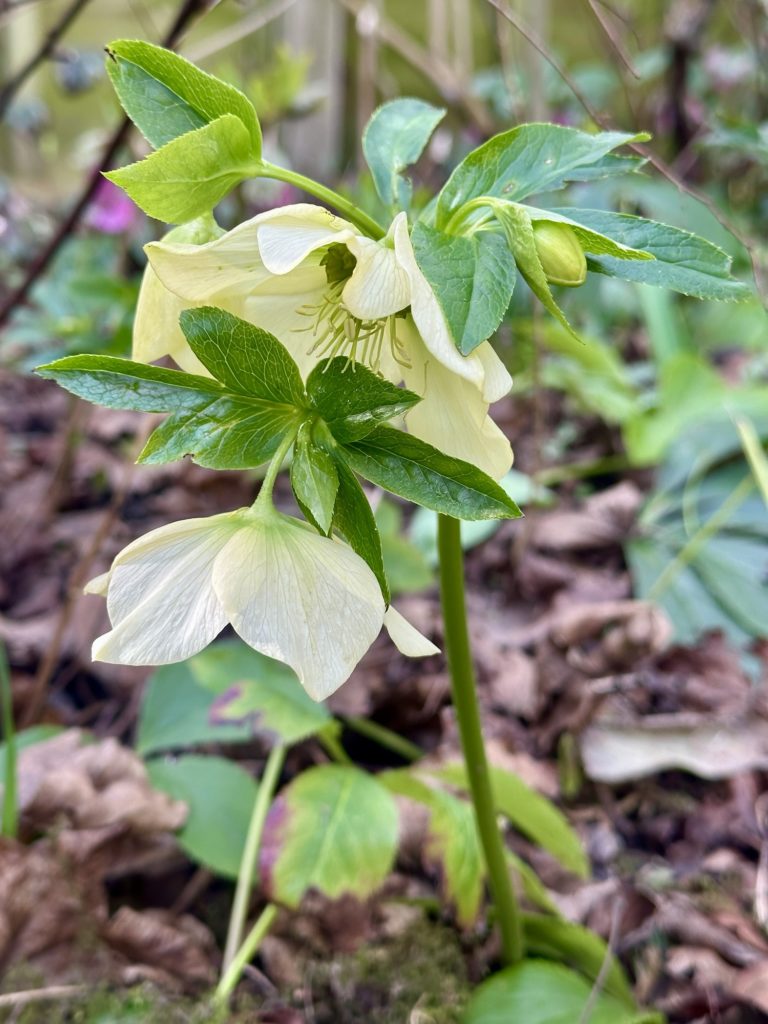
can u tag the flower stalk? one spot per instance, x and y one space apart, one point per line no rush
464 691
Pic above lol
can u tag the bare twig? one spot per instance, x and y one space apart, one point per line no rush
243 28
613 37
15 82
188 11
605 966
37 995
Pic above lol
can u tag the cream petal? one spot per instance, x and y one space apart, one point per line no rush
379 286
289 234
497 381
98 585
300 598
428 316
160 595
406 638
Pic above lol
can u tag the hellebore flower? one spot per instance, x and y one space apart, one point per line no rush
292 594
324 290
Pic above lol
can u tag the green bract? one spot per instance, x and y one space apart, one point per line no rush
560 254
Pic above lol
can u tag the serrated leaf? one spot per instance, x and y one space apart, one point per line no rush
529 158
472 277
415 470
683 262
531 813
333 829
539 992
314 479
352 400
220 798
166 96
393 139
354 520
190 174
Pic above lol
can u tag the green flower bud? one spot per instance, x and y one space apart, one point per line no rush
560 253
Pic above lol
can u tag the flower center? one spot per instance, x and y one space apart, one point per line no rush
336 332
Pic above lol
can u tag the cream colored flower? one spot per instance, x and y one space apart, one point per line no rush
324 289
294 595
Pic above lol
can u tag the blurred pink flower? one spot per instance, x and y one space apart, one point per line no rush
111 211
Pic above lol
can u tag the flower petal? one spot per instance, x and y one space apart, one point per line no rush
289 234
156 331
379 286
303 599
497 381
160 595
406 638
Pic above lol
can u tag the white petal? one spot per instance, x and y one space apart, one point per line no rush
497 381
160 594
406 638
453 415
289 234
428 316
156 331
303 599
378 286
98 585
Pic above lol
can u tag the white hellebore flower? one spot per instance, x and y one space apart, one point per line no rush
324 289
294 595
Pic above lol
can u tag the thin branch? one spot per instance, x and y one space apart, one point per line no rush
243 28
613 37
188 11
37 995
15 82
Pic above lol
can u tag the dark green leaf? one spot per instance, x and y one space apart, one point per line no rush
527 159
393 139
683 262
315 479
166 96
472 278
334 829
246 359
190 174
415 470
354 520
352 400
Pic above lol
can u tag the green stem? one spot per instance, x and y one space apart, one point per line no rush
276 464
324 194
9 824
250 855
385 738
245 954
464 691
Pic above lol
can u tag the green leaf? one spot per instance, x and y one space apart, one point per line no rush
406 567
166 96
352 400
354 520
472 277
415 470
531 813
591 241
190 174
538 992
527 159
220 798
246 359
393 139
580 948
314 479
683 262
452 842
334 829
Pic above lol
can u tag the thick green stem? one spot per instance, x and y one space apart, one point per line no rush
468 716
264 497
324 194
246 953
9 824
247 872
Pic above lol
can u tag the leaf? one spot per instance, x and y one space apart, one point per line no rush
529 158
531 813
352 400
190 174
683 262
166 96
393 139
452 841
354 520
472 277
314 479
334 829
538 992
591 241
220 797
406 567
246 359
415 470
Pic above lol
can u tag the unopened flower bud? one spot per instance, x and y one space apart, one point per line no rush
560 253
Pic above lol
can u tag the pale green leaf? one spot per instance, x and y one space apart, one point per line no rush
393 139
314 479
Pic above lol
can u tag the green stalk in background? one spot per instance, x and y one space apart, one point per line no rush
464 690
9 824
